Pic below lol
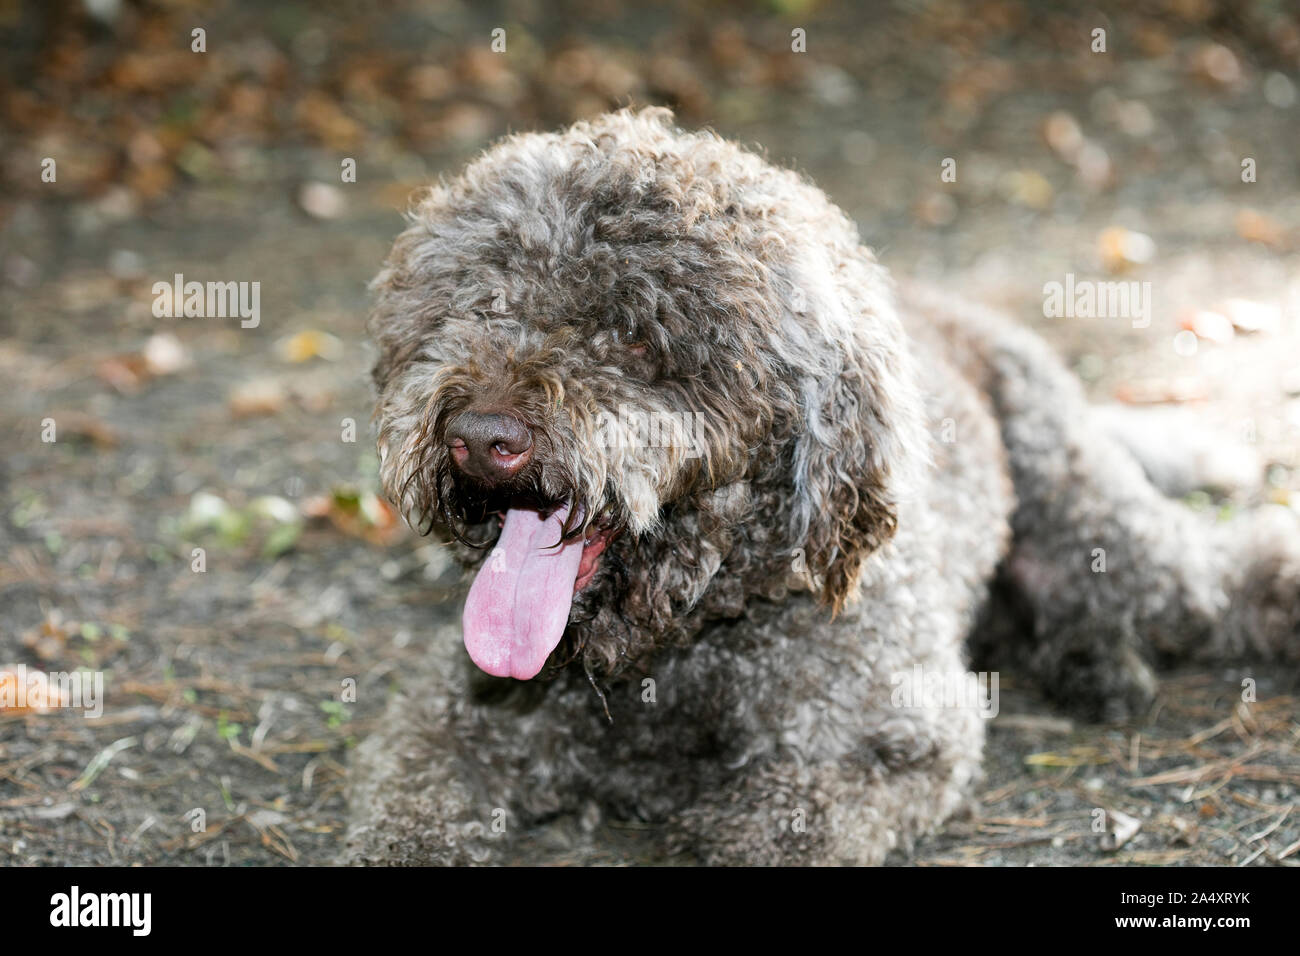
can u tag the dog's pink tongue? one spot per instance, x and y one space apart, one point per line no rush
518 604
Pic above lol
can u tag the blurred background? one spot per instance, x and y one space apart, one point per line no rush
226 690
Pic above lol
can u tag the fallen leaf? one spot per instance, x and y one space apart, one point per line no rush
259 397
1122 248
311 344
164 354
1186 831
1063 135
935 209
1027 188
1160 391
1094 165
325 120
321 200
82 425
1216 64
359 514
49 640
126 373
1256 227
1208 325
1119 830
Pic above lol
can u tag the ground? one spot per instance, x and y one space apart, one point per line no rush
227 690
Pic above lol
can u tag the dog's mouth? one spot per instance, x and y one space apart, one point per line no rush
519 603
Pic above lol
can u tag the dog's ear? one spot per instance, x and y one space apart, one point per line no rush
859 442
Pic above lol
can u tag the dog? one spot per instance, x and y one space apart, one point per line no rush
725 491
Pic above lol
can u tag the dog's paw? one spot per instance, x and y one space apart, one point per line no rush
1111 688
1263 580
463 844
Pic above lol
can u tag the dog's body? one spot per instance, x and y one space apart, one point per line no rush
744 613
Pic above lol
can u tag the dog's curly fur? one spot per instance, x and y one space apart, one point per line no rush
861 484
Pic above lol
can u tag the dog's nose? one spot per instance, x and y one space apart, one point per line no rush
488 446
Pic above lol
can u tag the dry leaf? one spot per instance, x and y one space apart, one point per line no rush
309 344
1256 227
1120 829
1208 325
260 397
1160 391
321 200
361 515
1063 135
1027 188
49 640
164 354
126 373
1122 248
81 425
1216 64
1094 165
935 209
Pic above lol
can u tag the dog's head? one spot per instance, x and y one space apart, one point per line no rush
637 377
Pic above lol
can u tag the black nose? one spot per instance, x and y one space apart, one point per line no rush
489 446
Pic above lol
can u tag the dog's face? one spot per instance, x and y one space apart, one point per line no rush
609 369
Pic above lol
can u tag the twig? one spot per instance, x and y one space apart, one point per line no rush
1267 830
100 761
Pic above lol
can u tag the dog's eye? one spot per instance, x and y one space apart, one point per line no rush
634 348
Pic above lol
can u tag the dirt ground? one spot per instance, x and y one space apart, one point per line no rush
227 691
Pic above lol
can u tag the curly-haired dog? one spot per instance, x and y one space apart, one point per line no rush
725 504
